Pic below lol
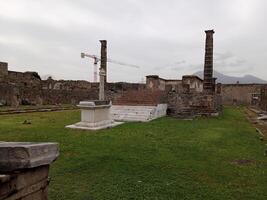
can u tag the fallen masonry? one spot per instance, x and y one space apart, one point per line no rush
24 169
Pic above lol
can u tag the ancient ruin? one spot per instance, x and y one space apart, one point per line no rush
95 115
209 81
24 169
263 98
190 96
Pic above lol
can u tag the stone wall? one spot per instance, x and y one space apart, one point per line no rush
26 184
27 88
3 71
182 95
239 94
8 95
194 83
141 97
24 169
190 104
21 88
263 98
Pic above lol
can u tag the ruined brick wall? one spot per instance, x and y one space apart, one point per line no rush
154 82
194 82
21 88
239 94
191 104
71 92
3 71
144 97
25 184
9 95
263 98
28 88
24 78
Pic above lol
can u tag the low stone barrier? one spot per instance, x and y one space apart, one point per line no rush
24 169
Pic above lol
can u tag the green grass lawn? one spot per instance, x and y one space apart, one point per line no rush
163 159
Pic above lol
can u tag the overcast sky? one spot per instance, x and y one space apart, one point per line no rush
163 37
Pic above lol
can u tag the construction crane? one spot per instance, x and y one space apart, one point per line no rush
97 59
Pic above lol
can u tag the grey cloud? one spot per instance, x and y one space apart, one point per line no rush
48 36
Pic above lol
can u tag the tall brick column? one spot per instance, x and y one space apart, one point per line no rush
208 66
104 57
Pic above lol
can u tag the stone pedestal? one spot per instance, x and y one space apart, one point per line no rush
24 169
95 115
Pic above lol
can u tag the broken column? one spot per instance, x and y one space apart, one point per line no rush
103 64
24 169
208 66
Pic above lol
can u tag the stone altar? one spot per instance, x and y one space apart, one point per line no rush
95 115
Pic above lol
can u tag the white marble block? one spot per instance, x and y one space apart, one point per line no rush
95 115
23 155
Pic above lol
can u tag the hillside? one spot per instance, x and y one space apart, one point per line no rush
225 79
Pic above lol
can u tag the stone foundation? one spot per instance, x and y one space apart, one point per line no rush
24 169
28 184
190 105
263 98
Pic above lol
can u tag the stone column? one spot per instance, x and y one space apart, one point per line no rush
24 169
208 66
102 76
103 64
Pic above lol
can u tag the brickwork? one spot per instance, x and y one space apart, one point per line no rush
263 98
239 94
3 71
24 169
28 88
189 96
25 184
188 105
194 83
144 97
208 66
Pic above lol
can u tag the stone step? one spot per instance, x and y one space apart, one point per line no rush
128 108
132 119
133 108
131 115
137 113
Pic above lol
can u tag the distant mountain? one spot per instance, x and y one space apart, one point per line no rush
221 78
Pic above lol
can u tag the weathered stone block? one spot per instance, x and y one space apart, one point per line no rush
25 184
95 115
23 155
